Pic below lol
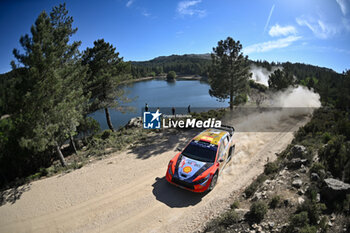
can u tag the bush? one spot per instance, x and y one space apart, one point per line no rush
171 76
221 223
271 168
275 201
251 189
318 168
308 229
299 220
235 205
313 210
258 211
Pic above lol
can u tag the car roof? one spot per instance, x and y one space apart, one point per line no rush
212 135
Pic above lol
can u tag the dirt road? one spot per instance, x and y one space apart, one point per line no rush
127 192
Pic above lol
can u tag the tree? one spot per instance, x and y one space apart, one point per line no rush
229 72
106 71
53 103
280 79
171 76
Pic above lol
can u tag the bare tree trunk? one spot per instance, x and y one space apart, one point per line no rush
73 144
109 122
60 155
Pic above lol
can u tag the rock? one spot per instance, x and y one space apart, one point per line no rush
334 189
315 177
300 200
254 226
271 224
257 196
318 197
286 202
267 182
303 169
298 151
301 192
332 217
296 163
134 122
296 175
297 183
330 224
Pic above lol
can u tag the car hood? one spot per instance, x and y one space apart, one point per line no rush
188 169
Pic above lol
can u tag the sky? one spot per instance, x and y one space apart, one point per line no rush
314 32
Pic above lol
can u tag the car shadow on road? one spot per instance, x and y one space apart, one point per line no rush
173 196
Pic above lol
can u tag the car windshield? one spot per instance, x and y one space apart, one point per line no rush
201 151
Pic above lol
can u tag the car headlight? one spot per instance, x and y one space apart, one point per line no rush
170 170
203 181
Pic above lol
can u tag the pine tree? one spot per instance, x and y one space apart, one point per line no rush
106 71
229 72
280 79
54 100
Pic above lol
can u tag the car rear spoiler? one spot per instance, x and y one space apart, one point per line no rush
227 128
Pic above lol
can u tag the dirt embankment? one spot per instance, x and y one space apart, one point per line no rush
128 192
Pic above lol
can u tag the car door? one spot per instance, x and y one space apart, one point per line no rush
223 151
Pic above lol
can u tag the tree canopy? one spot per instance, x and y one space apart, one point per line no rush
229 73
280 79
106 71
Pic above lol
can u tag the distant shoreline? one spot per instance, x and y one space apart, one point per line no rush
163 77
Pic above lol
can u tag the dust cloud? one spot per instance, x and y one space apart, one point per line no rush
261 74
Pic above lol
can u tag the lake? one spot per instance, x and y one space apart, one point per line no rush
165 95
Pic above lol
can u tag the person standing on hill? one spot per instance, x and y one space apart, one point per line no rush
189 109
146 107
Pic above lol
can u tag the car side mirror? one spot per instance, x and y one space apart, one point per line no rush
179 149
221 160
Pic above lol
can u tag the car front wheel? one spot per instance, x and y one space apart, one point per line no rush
213 182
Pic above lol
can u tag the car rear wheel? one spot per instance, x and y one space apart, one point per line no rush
213 182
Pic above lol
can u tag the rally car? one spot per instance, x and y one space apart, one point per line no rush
198 165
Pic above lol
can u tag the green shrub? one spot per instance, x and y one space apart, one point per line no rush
313 210
275 201
235 205
308 229
251 189
326 137
258 211
318 167
271 168
171 76
222 222
299 220
229 218
106 134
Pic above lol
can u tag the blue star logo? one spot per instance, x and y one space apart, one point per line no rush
151 120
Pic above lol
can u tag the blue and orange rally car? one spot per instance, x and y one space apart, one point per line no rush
198 165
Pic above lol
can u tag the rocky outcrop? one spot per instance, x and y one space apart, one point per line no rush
334 189
134 122
298 151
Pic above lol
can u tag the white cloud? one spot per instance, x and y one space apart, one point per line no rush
270 45
320 28
343 6
129 3
277 30
187 8
146 14
268 18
